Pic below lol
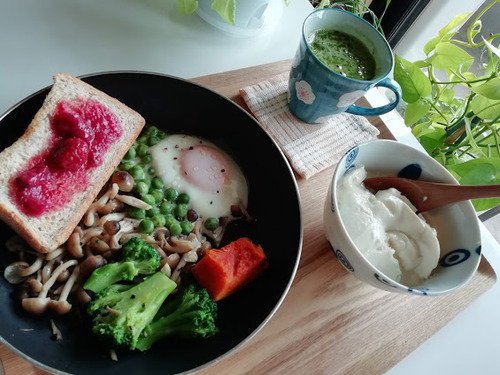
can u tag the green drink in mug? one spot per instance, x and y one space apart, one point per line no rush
340 57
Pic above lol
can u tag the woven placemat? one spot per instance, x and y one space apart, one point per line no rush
310 148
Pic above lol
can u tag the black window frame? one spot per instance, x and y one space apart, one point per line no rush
398 17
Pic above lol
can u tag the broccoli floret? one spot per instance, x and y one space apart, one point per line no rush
137 258
121 312
190 313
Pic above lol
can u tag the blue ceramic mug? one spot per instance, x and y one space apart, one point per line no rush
316 91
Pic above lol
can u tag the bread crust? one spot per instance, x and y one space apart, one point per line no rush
50 230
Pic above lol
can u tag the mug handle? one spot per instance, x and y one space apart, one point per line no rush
391 85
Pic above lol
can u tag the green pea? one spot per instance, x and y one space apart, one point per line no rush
157 183
141 188
147 159
142 149
151 170
171 194
130 155
149 199
153 140
183 198
157 194
159 220
175 229
136 213
186 226
153 212
136 172
146 226
166 207
211 223
151 130
141 140
181 210
169 220
147 182
126 166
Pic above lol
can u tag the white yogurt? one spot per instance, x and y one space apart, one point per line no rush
386 229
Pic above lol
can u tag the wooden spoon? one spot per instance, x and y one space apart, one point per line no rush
428 195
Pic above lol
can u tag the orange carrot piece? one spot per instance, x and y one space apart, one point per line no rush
224 271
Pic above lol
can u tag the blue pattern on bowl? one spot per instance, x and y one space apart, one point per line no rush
412 171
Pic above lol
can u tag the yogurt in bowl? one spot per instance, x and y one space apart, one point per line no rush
386 229
379 237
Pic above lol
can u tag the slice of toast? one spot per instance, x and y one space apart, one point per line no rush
49 230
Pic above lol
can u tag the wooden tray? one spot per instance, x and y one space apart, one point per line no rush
329 322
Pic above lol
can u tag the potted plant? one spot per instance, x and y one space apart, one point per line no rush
454 110
360 8
225 8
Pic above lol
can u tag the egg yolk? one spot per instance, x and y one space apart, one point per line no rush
205 167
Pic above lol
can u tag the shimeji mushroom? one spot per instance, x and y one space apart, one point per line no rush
19 271
40 304
189 257
12 272
182 245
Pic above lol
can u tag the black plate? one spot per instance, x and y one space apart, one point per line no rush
175 105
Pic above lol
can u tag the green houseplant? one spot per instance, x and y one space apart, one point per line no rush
225 8
460 130
358 7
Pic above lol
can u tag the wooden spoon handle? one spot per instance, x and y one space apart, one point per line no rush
443 194
428 195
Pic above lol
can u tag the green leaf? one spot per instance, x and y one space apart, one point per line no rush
445 33
493 49
489 143
485 108
430 135
449 56
186 6
431 44
414 83
430 143
481 171
490 89
454 23
415 111
226 9
447 95
421 64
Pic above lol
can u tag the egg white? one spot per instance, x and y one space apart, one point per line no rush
166 156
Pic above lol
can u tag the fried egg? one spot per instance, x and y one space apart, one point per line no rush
197 167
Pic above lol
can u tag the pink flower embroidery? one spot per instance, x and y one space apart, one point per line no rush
304 92
349 98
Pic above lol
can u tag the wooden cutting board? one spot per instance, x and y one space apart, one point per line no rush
329 323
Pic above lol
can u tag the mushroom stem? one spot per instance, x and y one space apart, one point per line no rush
69 284
33 268
61 268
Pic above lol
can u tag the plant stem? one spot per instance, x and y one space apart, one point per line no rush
467 82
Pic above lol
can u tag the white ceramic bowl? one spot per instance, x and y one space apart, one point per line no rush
456 224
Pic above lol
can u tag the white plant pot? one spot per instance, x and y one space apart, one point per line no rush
252 16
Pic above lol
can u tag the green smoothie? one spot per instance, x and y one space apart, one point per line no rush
343 53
